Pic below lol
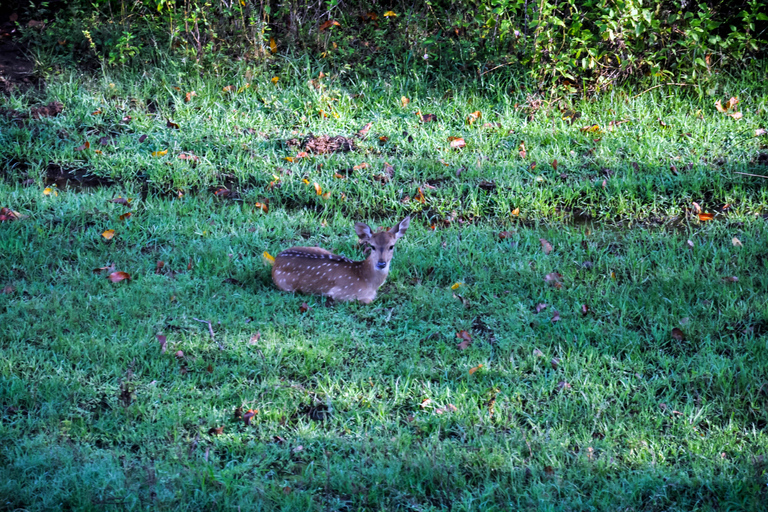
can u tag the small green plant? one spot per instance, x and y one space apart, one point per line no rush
123 50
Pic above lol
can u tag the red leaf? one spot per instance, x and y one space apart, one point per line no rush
304 307
116 277
466 339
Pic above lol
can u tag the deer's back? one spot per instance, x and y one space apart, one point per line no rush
316 271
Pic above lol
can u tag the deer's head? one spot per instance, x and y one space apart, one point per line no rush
382 243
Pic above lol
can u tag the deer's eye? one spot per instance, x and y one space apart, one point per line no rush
391 247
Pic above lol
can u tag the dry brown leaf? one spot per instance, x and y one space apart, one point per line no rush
473 370
545 246
116 277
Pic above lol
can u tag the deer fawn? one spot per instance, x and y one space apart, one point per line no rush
317 271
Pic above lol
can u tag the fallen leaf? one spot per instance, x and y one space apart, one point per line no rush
521 150
188 97
554 279
678 334
404 101
364 130
304 307
272 45
458 143
505 234
229 88
706 216
109 234
428 118
474 116
191 157
541 307
760 131
696 207
215 431
171 124
555 316
451 407
126 216
161 339
424 403
328 24
593 128
248 416
516 212
549 470
419 196
160 153
361 166
555 362
116 277
466 339
563 385
690 244
455 286
473 370
318 189
537 353
121 200
83 147
50 191
275 79
736 115
262 206
389 14
584 309
736 242
545 246
142 138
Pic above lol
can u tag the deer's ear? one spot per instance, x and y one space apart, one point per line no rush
399 230
363 231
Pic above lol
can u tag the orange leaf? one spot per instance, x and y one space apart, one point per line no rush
363 165
87 145
516 212
473 370
229 88
420 196
706 216
458 143
593 128
272 45
160 153
126 216
189 96
455 286
275 79
328 24
474 116
318 189
404 101
116 277
109 234
327 195
262 206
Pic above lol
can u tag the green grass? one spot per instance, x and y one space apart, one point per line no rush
373 407
622 174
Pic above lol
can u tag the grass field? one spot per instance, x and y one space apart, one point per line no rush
625 369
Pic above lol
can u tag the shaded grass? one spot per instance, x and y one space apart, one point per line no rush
94 413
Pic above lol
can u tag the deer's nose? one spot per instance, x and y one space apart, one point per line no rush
381 265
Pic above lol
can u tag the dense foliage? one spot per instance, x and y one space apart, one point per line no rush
561 44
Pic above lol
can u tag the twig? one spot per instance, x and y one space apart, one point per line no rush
656 87
210 330
755 175
497 67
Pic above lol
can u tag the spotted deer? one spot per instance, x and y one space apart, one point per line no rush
316 271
